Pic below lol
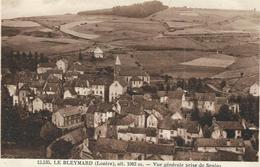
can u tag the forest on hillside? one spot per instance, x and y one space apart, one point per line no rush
136 10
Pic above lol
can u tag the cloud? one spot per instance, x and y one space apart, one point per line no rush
23 8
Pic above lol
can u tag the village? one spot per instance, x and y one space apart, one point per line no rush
124 114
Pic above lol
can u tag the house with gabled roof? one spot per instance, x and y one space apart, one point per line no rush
116 89
136 111
100 112
62 64
170 129
43 102
226 129
68 117
254 89
82 87
138 134
52 88
98 53
25 94
69 93
215 145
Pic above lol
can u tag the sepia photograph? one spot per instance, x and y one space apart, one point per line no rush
131 80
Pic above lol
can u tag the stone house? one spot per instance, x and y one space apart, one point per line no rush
69 117
138 134
215 145
117 88
63 64
226 129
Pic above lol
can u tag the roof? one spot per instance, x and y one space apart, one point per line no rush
100 107
47 98
68 111
118 62
25 87
81 83
53 79
75 136
147 148
64 60
192 155
230 125
154 157
106 145
131 71
54 71
132 108
221 100
71 90
169 124
98 50
208 142
205 96
47 65
125 120
54 87
121 82
37 84
147 131
72 102
69 83
136 78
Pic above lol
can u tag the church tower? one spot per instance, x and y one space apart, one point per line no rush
117 67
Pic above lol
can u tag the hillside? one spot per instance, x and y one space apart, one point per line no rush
136 11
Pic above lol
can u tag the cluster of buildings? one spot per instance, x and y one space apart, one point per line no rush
143 125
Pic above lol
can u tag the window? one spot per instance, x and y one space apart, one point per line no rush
172 132
131 138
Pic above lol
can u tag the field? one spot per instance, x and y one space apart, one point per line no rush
221 61
19 23
175 41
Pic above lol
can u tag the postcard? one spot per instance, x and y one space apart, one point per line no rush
158 83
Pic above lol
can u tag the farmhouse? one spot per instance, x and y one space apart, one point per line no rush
63 65
98 53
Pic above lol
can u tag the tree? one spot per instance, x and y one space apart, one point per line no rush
225 114
223 84
206 119
80 56
195 115
206 131
179 141
49 132
61 149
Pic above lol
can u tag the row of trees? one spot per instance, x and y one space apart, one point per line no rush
249 107
33 130
19 61
139 10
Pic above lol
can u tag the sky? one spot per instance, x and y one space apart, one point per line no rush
24 8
